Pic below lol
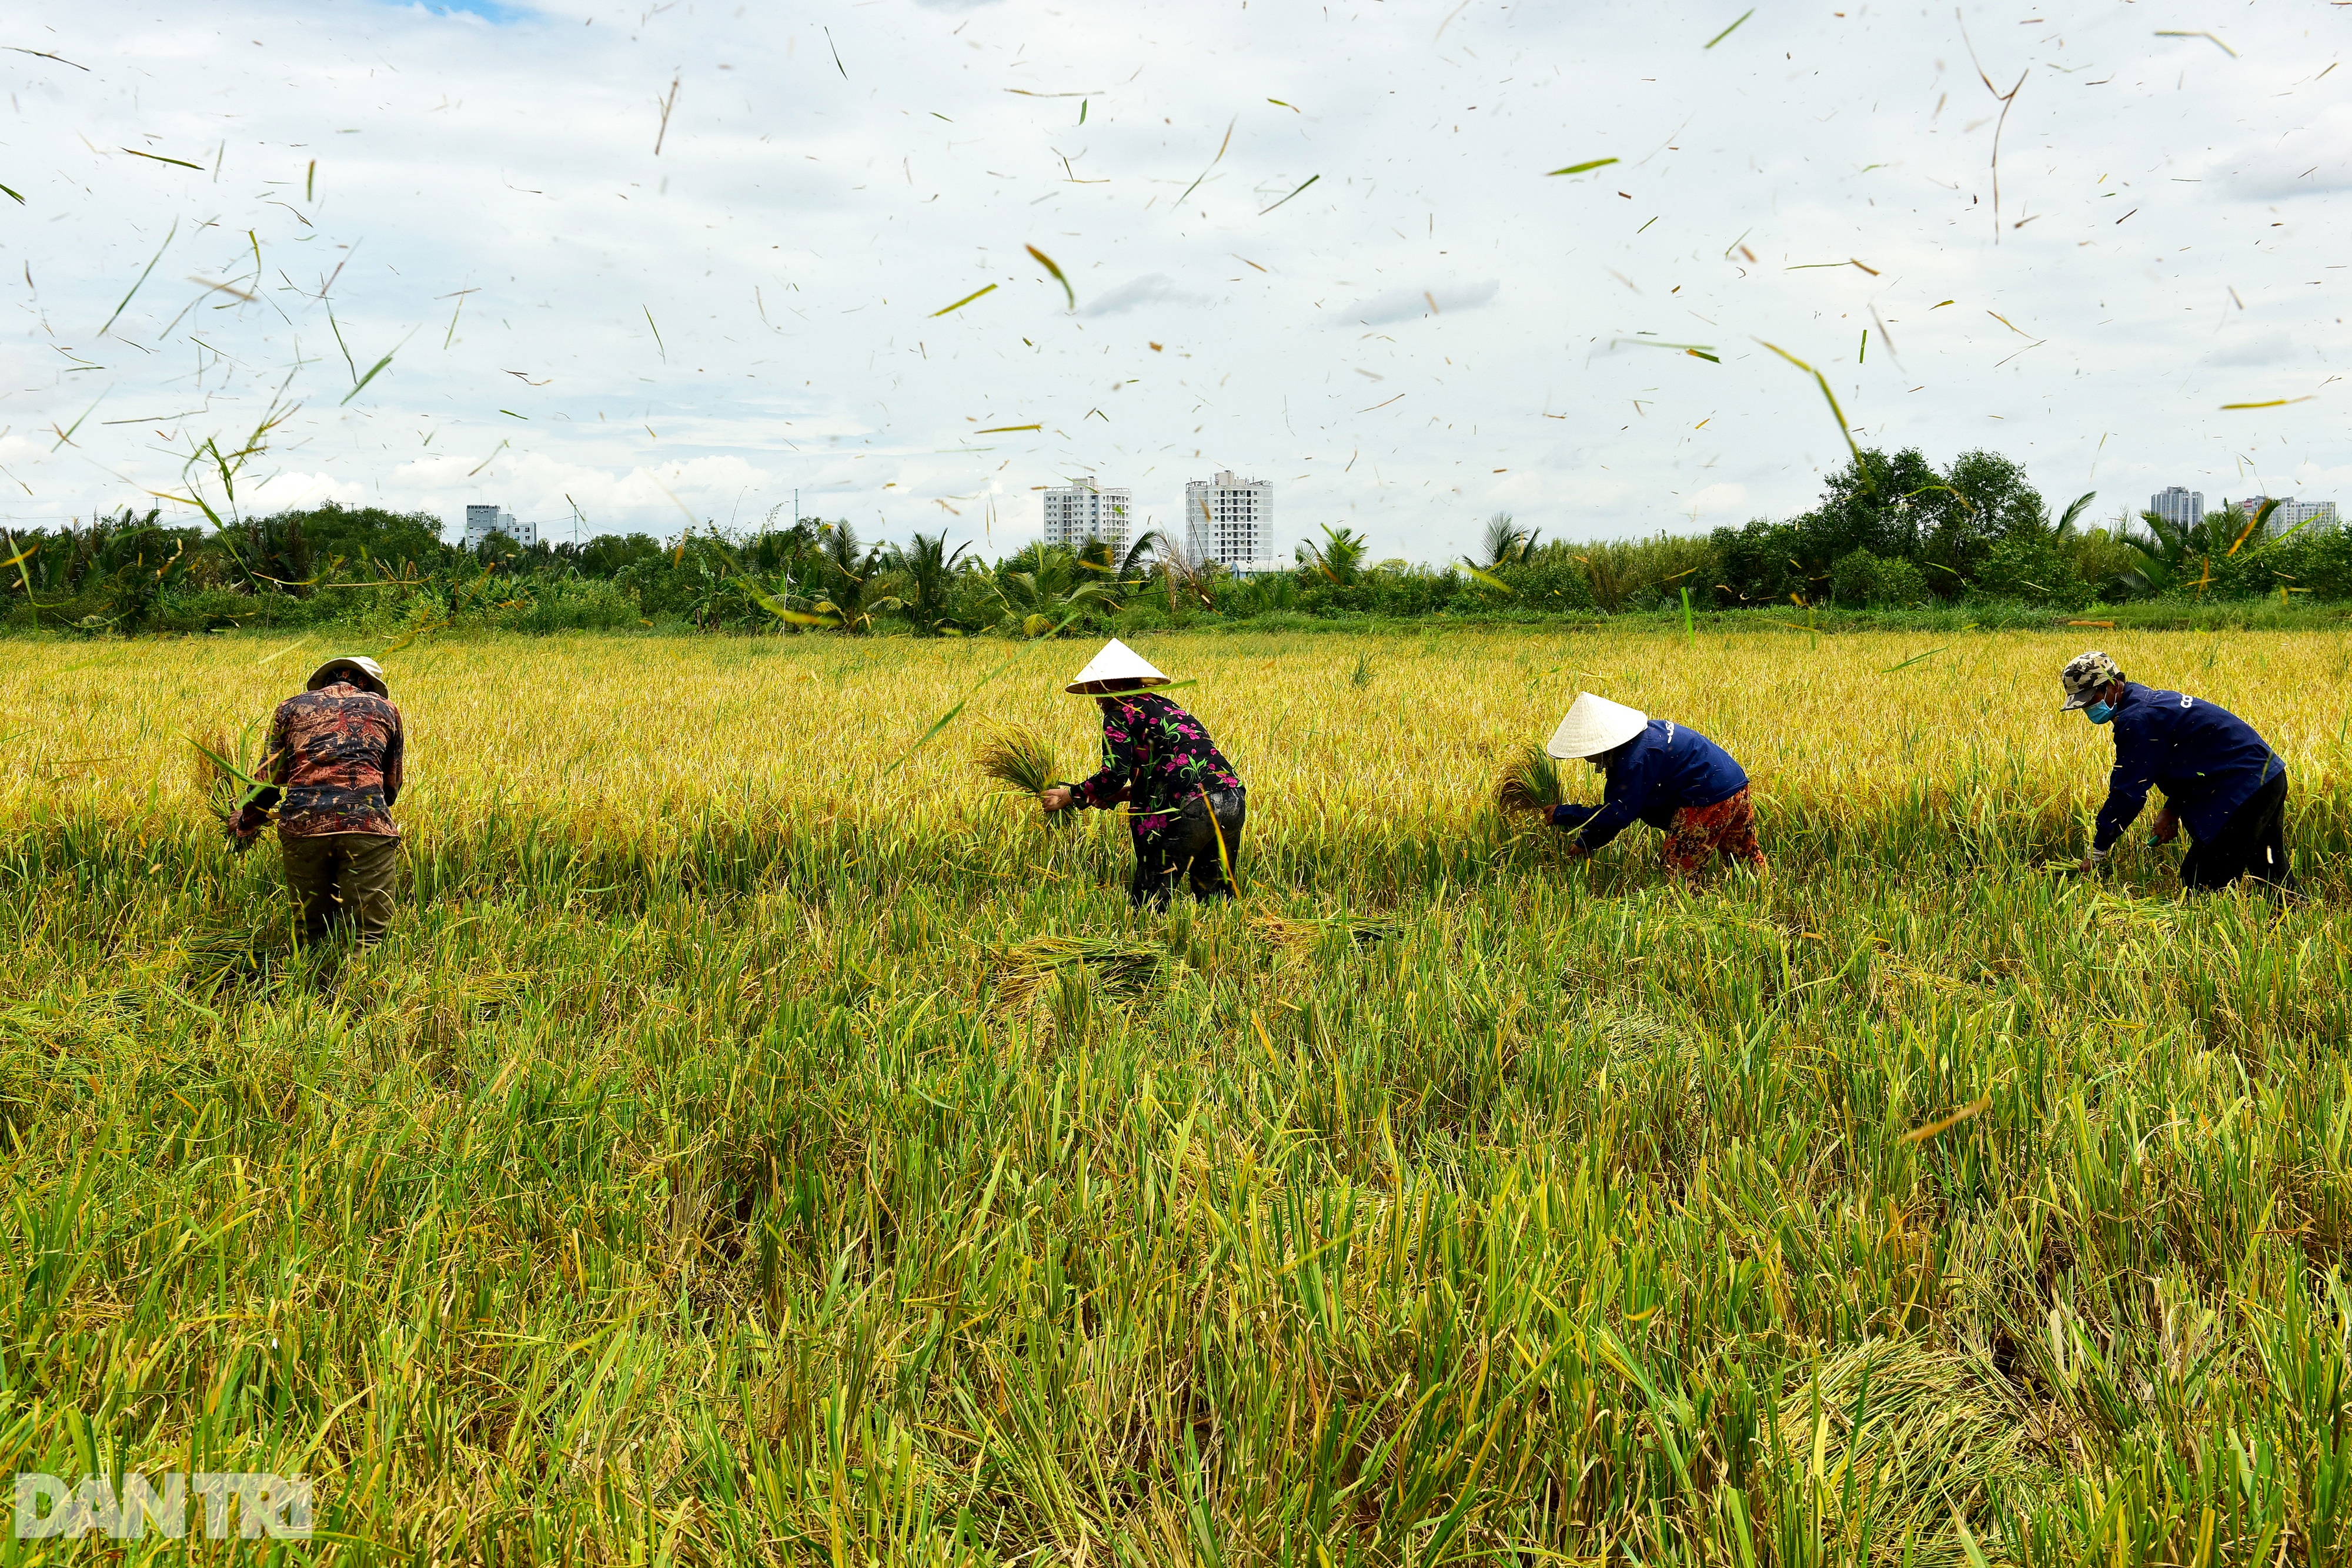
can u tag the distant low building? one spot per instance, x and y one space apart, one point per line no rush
1231 521
481 522
2183 508
2290 513
1081 510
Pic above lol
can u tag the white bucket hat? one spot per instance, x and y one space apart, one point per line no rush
1594 724
1116 669
360 670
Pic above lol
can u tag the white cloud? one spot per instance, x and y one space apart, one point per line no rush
1406 304
1151 289
2263 349
1722 503
2311 160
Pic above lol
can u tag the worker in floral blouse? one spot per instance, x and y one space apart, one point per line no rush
1666 774
1184 803
333 771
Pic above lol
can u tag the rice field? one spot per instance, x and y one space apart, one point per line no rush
764 1139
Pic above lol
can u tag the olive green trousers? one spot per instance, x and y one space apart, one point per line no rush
341 879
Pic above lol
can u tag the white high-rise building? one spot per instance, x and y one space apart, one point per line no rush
481 522
1082 510
2183 508
1231 521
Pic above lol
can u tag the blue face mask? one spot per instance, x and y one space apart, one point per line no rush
2098 712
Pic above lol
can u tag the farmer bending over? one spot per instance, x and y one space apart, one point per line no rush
1668 775
1184 803
335 754
2217 775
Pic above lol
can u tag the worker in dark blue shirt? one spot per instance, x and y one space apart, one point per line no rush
2218 776
1666 774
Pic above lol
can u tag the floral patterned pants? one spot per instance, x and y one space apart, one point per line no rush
1728 828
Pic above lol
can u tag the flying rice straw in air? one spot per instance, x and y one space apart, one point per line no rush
183 163
1309 180
1734 27
1228 142
1048 261
1582 168
143 276
965 300
1695 350
2161 33
1823 381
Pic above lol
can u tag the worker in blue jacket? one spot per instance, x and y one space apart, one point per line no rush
2217 775
1664 773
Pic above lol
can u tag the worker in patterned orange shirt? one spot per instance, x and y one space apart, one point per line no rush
333 769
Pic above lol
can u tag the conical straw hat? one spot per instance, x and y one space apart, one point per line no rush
1594 724
1116 668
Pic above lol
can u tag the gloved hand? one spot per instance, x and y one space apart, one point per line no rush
1569 816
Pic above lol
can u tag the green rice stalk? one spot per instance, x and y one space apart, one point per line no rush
227 769
1531 782
1017 756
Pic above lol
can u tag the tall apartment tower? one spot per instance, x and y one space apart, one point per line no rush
1230 521
481 522
1082 510
2183 508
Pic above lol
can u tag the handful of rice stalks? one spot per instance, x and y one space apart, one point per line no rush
1024 970
1531 782
227 770
1018 756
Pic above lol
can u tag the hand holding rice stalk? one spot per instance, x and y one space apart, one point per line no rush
1020 757
228 775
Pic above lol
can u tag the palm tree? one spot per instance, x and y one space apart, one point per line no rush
926 570
1503 544
850 575
2161 554
1339 559
1044 587
271 555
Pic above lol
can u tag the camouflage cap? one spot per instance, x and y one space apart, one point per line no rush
2085 676
357 668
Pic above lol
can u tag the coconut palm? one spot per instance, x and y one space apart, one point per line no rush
926 571
1339 560
1503 544
1045 588
851 580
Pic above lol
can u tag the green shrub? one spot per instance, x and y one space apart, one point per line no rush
1860 580
2037 570
569 605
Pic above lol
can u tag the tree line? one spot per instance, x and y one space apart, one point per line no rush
1890 531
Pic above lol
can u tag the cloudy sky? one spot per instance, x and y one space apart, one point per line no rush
636 265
